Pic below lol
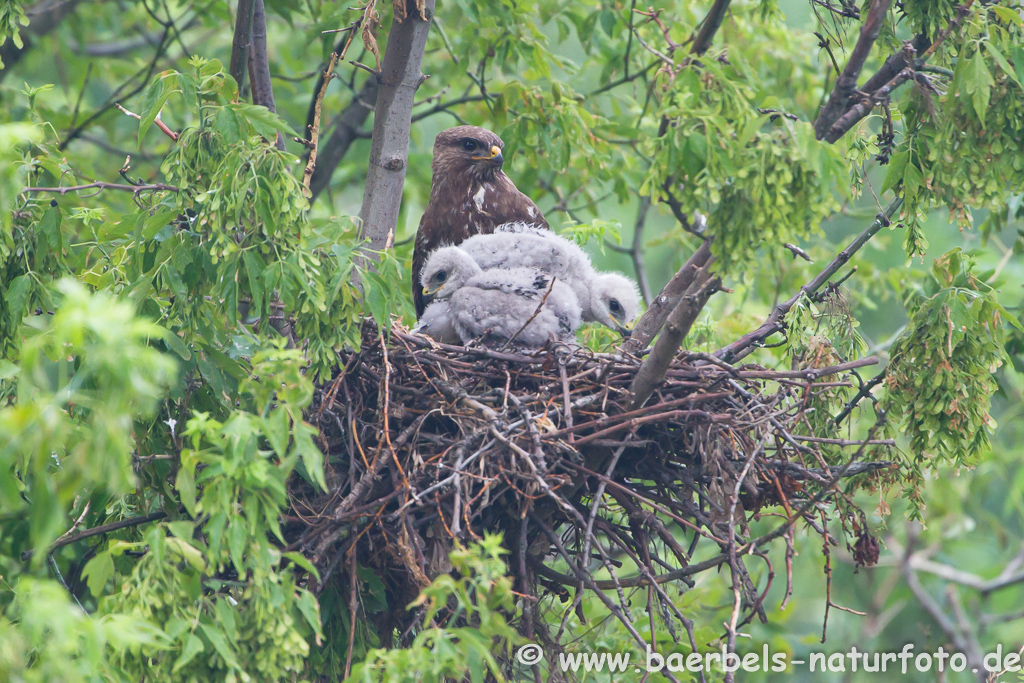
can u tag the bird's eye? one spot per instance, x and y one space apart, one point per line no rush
469 145
441 276
614 306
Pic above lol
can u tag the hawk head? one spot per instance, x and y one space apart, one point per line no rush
467 152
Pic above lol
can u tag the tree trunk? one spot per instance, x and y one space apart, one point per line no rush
399 79
240 43
259 65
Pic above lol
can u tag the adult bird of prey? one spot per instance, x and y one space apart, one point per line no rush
469 195
518 304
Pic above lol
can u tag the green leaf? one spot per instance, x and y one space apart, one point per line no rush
193 646
312 458
1018 63
182 529
214 376
188 552
177 345
185 483
897 168
227 619
376 297
220 644
8 371
157 222
264 121
49 227
254 273
310 610
277 431
913 179
1008 15
236 543
978 83
1002 62
153 101
302 561
17 295
97 572
226 125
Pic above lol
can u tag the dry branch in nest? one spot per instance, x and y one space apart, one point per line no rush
429 443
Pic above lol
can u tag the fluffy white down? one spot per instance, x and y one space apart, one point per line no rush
607 298
525 245
436 323
496 304
505 268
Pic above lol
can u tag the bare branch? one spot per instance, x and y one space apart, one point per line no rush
636 251
857 112
96 531
154 187
712 22
652 321
348 127
846 83
122 92
157 122
776 321
677 326
962 639
314 129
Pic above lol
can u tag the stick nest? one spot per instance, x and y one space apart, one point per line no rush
431 444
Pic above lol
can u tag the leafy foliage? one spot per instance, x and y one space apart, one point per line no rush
82 381
479 598
956 332
158 347
963 147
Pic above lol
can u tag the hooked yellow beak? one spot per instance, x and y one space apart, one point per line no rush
431 292
494 155
625 330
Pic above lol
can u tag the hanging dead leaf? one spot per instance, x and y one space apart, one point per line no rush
370 22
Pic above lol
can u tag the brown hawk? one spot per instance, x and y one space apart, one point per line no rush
469 195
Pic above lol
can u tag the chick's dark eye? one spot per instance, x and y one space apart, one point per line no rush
441 276
469 145
614 306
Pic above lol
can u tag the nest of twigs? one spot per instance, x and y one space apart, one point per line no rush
430 443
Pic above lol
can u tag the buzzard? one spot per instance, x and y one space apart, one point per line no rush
517 304
469 195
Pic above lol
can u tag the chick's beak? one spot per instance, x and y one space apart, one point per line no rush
428 295
625 330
